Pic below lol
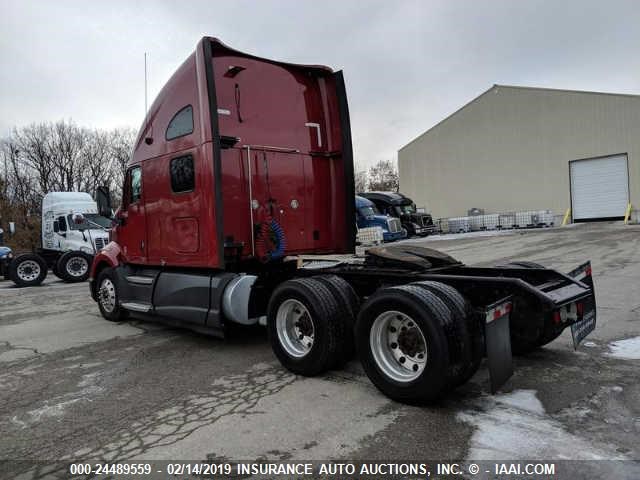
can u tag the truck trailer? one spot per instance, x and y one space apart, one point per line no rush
238 208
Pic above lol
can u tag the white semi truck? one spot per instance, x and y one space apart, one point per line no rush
72 233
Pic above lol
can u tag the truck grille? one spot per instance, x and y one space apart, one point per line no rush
426 221
100 243
394 225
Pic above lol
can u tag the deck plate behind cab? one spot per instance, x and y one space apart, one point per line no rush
409 257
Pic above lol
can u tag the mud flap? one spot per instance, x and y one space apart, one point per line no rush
498 343
587 324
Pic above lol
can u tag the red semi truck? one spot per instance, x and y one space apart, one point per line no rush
242 167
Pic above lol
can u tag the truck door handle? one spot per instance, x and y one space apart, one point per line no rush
317 127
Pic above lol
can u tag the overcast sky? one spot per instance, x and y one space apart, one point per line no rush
407 64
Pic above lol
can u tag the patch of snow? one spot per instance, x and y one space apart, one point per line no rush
590 344
47 410
523 400
628 349
515 426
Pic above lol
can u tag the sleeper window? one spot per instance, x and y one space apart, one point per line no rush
182 174
181 124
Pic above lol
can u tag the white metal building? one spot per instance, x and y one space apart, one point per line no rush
521 148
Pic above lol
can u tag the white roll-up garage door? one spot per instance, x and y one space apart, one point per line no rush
599 187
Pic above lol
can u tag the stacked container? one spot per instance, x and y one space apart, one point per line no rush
459 224
506 220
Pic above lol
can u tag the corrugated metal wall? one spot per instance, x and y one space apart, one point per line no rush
510 150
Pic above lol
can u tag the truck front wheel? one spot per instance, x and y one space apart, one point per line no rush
28 270
402 344
303 323
74 266
108 298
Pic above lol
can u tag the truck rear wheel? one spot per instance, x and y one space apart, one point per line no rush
303 323
108 297
468 342
74 266
28 270
402 344
350 303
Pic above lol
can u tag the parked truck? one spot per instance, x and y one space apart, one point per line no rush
367 216
6 255
241 183
72 232
399 206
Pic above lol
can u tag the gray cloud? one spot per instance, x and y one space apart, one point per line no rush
407 64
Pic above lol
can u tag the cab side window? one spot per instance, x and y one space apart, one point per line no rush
132 186
135 188
181 124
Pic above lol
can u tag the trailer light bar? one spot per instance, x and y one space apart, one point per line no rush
499 311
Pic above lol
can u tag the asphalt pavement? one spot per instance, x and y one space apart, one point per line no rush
73 385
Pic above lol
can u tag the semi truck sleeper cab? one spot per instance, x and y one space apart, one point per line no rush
242 169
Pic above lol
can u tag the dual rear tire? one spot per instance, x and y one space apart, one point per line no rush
27 270
414 341
308 325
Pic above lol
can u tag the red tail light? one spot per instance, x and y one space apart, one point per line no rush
579 308
556 317
588 271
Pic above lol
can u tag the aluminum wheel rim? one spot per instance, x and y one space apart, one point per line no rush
295 328
107 295
28 270
398 346
77 266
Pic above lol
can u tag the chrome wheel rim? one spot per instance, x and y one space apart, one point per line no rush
295 329
107 295
28 270
77 266
398 346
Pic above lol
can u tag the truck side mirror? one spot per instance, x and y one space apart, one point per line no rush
103 200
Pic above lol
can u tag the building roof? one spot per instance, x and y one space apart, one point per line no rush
514 87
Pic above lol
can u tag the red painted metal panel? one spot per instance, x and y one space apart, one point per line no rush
287 119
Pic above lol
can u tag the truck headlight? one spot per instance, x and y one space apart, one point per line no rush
86 250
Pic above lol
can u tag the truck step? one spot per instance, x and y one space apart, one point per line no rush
137 307
140 279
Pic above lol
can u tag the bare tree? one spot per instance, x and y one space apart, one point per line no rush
121 142
383 176
361 178
62 156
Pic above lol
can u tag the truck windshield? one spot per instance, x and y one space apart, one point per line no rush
90 219
368 211
406 209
